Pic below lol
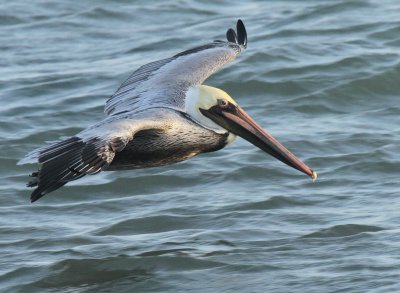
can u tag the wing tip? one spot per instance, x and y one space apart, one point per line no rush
231 36
36 195
241 32
239 36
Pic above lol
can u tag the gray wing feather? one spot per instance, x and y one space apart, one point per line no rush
164 83
91 150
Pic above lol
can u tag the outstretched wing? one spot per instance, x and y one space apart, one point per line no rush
164 83
91 150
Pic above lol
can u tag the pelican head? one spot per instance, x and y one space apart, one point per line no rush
216 110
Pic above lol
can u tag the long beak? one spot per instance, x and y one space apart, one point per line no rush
234 119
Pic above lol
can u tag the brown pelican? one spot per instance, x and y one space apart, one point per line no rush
162 114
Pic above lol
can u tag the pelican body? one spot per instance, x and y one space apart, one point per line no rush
179 139
162 114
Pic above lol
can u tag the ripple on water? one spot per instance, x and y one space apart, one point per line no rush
275 202
113 270
343 231
153 224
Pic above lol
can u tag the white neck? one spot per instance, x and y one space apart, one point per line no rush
196 99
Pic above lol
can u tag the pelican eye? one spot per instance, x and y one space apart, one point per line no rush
223 103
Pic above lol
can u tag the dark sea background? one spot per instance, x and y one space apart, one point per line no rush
321 76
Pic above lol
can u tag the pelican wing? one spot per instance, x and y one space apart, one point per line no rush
164 83
92 150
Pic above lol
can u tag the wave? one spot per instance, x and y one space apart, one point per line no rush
343 231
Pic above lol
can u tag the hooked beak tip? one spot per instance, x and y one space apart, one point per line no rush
314 176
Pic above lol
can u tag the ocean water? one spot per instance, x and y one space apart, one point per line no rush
321 76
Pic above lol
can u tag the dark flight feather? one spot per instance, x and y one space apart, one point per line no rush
241 32
69 160
239 36
231 36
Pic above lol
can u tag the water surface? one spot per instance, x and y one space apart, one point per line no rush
321 76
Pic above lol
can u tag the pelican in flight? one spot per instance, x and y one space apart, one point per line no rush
162 114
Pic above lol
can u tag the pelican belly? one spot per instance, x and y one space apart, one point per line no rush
180 141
